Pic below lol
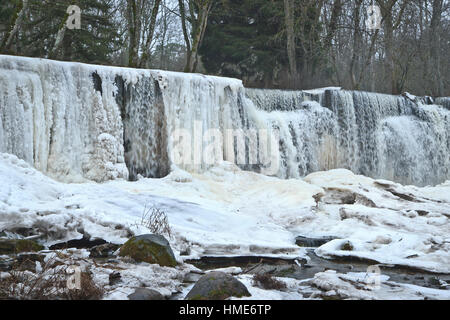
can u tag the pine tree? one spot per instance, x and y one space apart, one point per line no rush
45 20
242 40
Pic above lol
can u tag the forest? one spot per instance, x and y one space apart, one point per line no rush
387 46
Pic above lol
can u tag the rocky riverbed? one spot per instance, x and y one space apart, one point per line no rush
331 235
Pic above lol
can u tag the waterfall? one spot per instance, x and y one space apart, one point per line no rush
56 118
377 135
78 122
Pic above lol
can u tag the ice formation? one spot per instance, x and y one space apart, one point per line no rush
79 122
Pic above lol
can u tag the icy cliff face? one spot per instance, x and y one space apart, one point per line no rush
54 117
380 136
75 121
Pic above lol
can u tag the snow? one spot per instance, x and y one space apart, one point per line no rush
225 212
346 286
61 130
321 90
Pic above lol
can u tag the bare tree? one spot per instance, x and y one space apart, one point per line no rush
198 12
16 22
146 51
290 35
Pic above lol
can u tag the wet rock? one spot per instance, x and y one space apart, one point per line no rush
317 198
192 277
150 248
338 196
146 294
217 286
347 246
312 242
103 251
186 252
14 246
422 212
6 263
83 243
114 278
345 196
216 262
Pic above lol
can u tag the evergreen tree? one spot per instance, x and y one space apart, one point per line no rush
46 19
242 40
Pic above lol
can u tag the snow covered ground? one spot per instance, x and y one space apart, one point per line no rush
226 211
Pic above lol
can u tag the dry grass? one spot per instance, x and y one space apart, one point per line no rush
50 283
266 281
156 221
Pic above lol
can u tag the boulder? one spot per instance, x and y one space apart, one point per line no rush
103 251
150 248
14 246
145 294
217 286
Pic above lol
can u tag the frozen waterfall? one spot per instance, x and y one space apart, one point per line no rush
76 121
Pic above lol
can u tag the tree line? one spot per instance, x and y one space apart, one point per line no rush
388 46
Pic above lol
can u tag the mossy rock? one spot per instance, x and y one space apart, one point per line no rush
217 286
14 246
150 248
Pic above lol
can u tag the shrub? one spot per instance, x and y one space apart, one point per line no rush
48 284
156 221
266 281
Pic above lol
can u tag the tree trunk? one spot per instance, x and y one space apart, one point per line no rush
14 26
133 33
332 27
199 25
435 48
146 54
388 46
54 53
185 32
356 45
290 34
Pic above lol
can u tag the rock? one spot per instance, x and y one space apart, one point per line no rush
339 196
217 286
6 264
347 246
83 243
146 294
28 261
429 100
191 277
382 239
150 248
312 242
14 246
317 197
103 251
422 212
114 278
